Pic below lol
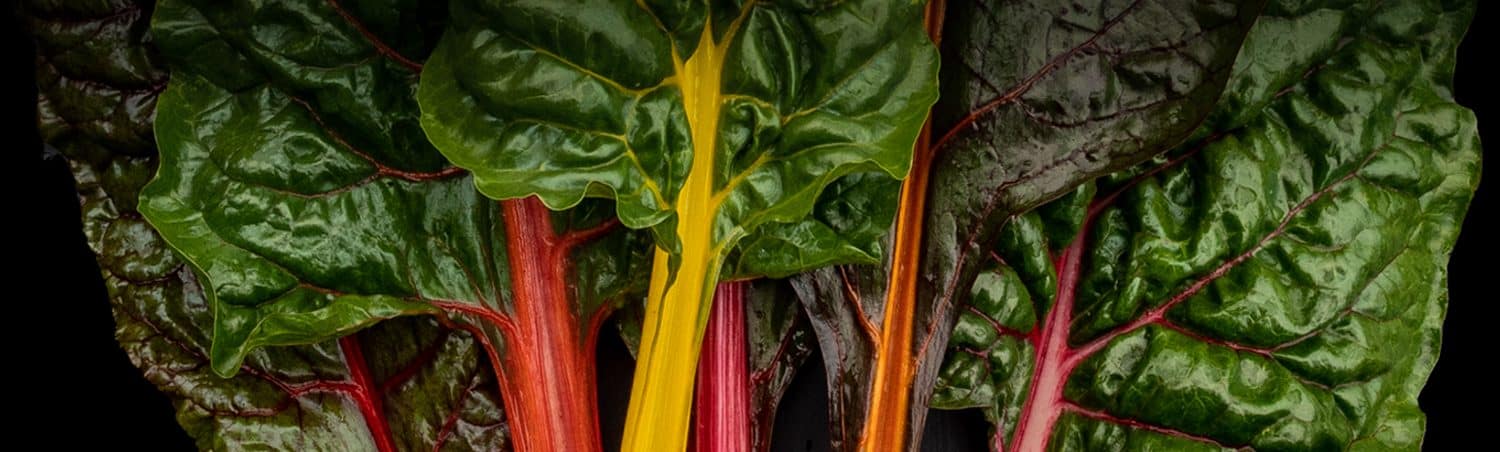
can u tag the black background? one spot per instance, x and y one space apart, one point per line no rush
74 388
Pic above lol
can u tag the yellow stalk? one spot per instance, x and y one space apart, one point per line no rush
676 311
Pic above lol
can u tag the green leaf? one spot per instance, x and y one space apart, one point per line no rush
607 118
849 224
296 180
294 216
1278 284
1036 99
98 78
703 122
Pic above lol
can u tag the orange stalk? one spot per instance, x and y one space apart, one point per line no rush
895 367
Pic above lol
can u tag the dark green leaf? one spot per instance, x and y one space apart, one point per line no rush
1278 284
1036 99
298 181
295 178
849 224
596 110
99 78
703 122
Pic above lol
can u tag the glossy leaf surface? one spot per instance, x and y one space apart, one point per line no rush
779 342
1277 284
702 120
788 126
1036 99
296 179
849 224
274 181
99 77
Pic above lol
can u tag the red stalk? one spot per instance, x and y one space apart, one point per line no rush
547 373
722 412
1044 403
365 395
549 381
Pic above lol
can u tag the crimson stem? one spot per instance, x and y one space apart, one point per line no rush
722 411
1044 402
364 394
548 386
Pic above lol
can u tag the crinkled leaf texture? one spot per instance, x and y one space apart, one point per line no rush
537 100
1277 283
99 77
702 120
1036 99
297 183
274 181
306 194
849 224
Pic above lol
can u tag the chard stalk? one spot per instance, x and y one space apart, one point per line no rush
722 414
895 366
681 292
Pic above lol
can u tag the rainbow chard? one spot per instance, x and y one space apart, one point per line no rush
409 384
1036 100
1148 224
776 340
1276 284
702 121
296 182
848 224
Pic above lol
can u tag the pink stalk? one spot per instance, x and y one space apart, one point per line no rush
722 411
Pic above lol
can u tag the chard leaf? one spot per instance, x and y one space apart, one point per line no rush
1278 284
296 180
415 385
1036 100
274 180
849 224
702 121
780 340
